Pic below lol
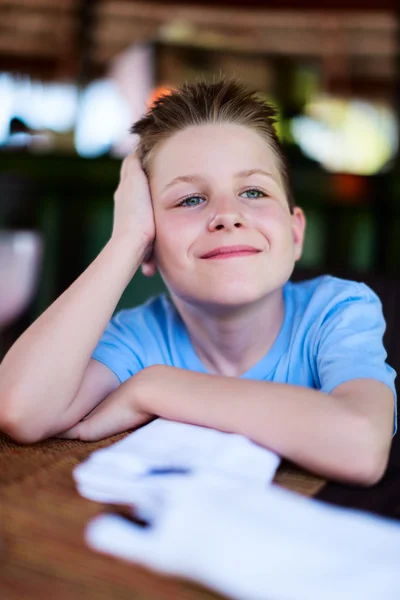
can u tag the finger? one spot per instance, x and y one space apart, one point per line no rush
110 417
131 165
98 427
126 164
123 169
86 431
149 254
149 269
70 434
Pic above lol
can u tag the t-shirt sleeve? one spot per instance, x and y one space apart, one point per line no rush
350 343
119 347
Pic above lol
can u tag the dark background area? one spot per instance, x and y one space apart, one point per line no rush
348 49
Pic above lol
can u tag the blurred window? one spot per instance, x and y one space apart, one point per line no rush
351 136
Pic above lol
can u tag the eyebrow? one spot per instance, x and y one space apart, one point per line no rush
196 178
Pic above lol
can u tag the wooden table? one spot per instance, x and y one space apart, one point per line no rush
42 521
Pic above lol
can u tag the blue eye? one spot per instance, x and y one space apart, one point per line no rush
187 201
191 200
252 190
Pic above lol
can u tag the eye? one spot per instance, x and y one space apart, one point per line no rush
188 201
253 191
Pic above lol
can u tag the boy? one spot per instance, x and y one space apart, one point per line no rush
298 368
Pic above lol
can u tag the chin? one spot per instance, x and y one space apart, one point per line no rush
226 297
226 291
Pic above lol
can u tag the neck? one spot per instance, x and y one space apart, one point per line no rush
231 341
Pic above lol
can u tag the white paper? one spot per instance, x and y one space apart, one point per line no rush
254 545
125 471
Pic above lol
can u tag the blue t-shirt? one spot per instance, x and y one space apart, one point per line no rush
332 332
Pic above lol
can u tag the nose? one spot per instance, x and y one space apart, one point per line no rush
227 214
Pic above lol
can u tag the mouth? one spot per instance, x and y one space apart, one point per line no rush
230 252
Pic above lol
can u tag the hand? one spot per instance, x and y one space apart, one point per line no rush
133 210
119 412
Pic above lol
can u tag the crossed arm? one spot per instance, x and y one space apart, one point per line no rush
345 435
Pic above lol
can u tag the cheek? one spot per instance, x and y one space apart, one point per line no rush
174 237
273 220
176 228
276 226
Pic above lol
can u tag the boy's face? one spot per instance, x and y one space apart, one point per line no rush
221 207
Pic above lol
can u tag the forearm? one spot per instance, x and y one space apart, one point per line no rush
40 375
308 427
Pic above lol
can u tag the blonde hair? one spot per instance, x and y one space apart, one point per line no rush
224 101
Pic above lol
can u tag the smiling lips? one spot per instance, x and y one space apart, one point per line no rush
231 252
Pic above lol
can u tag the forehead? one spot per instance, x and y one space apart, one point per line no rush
214 151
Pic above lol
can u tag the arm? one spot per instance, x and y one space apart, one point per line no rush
344 435
120 411
42 372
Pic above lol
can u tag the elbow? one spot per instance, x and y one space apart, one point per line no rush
16 426
19 434
370 460
368 474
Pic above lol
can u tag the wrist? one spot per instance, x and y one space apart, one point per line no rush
128 254
142 390
130 243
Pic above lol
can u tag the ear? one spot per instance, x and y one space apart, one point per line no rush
298 230
149 265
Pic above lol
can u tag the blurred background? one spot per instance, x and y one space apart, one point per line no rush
75 74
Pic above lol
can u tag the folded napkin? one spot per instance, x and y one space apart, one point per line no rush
142 467
260 545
